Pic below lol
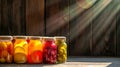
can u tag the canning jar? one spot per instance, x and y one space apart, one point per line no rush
6 49
61 49
20 49
50 50
35 49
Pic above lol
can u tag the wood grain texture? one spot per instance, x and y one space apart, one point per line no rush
4 18
52 18
19 21
103 33
118 35
79 44
0 13
56 22
35 17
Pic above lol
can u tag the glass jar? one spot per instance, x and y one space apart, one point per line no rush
20 49
6 49
62 49
35 49
50 50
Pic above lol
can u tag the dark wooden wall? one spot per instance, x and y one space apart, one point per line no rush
35 17
92 31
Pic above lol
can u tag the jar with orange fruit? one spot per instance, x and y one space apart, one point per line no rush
6 49
20 49
35 50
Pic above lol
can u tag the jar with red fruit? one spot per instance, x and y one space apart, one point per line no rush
49 51
35 49
6 49
20 49
61 49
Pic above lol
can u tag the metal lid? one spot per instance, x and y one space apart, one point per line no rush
6 37
19 37
34 37
48 38
60 38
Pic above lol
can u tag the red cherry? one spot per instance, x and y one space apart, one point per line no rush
28 40
13 41
53 52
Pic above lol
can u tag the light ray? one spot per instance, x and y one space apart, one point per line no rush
82 24
67 15
63 17
107 22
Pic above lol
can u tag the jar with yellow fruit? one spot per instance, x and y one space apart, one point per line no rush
6 49
35 49
20 49
61 49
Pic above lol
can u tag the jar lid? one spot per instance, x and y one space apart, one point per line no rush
60 38
6 37
48 38
34 37
19 37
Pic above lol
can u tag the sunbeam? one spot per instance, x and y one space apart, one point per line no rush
106 24
101 46
88 17
62 18
86 3
66 15
84 40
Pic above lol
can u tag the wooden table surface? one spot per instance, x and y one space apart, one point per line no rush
75 62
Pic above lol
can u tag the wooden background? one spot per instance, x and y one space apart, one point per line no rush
63 18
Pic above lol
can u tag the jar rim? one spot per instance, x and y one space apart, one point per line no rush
34 37
60 37
19 37
48 38
6 37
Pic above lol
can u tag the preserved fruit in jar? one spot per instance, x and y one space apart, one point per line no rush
20 49
35 50
62 49
6 49
50 50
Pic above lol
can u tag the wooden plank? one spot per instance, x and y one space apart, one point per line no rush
79 37
4 18
59 17
52 17
103 32
12 17
64 10
56 22
23 17
16 24
35 17
0 13
118 35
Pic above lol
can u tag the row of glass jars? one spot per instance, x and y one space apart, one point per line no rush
33 49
